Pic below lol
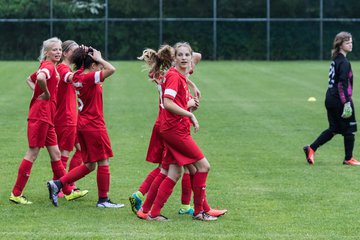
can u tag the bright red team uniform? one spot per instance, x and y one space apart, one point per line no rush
66 110
92 133
175 129
41 131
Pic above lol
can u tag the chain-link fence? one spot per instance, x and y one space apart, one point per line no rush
219 29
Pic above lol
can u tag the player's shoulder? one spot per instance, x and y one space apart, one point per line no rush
47 64
63 67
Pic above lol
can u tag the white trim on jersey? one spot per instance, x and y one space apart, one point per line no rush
97 77
66 78
170 92
46 71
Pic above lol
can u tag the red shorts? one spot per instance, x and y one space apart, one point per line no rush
40 134
156 146
95 145
181 149
66 136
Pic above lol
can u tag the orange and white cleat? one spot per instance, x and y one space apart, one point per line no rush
352 162
309 153
140 214
216 212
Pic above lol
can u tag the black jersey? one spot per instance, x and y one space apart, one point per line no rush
340 80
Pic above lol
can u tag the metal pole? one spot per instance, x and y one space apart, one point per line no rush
51 19
160 22
321 29
214 30
106 28
268 30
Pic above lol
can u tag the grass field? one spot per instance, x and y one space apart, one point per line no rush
254 120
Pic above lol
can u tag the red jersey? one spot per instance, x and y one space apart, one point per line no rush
44 110
175 87
66 111
33 77
90 103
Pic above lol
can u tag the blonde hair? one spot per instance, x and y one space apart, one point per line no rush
158 62
338 41
47 44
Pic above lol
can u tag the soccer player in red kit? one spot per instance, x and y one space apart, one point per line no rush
164 58
93 137
66 115
175 132
40 129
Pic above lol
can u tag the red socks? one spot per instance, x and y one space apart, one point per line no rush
58 169
206 206
164 192
23 176
64 160
186 189
76 160
199 184
74 175
144 187
150 197
103 181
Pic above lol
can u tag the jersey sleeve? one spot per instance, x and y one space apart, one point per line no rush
47 69
33 77
343 84
93 78
171 86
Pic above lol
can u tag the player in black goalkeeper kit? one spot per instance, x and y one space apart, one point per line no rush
338 102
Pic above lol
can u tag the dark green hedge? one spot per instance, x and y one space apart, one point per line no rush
126 40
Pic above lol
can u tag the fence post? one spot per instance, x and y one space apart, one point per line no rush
106 27
160 22
214 30
51 18
321 37
268 30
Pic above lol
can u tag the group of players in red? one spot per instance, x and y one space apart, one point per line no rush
56 122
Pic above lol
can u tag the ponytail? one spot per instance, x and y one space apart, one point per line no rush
159 61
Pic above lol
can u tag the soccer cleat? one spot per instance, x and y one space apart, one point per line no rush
140 214
216 212
75 194
135 202
53 192
352 162
109 204
19 199
309 153
159 218
189 211
203 216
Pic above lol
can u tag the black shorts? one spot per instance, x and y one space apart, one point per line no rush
337 124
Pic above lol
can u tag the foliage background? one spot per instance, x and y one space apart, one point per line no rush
289 40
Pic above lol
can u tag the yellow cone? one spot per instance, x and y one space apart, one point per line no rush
311 99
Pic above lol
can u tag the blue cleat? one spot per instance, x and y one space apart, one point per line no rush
189 210
135 202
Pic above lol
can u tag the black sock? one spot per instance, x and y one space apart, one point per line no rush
324 137
58 183
103 199
349 141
